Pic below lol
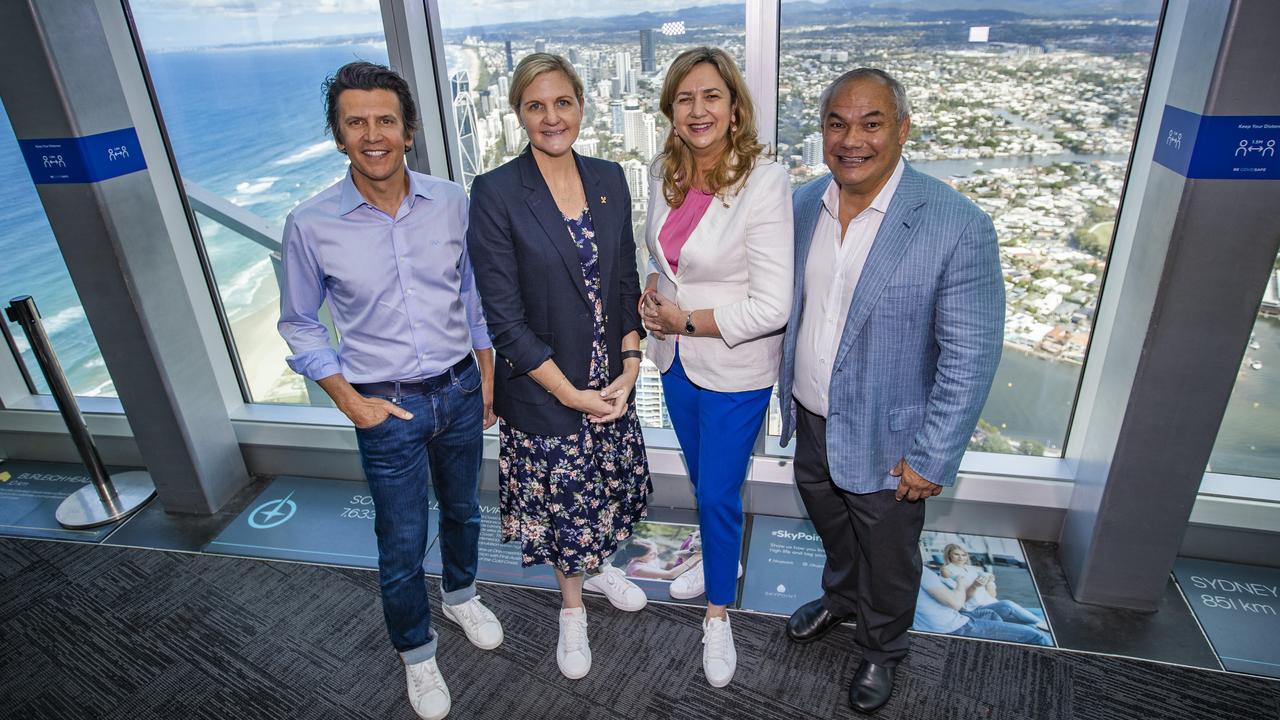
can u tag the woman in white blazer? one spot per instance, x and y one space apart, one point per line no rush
719 236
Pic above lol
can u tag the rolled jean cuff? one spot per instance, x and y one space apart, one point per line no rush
459 596
422 653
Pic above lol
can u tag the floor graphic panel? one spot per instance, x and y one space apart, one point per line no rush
1239 608
971 585
30 493
652 557
306 519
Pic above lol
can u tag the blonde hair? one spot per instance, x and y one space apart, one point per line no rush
675 164
535 64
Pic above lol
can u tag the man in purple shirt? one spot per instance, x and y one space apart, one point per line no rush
386 247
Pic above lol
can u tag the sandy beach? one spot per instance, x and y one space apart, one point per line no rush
263 351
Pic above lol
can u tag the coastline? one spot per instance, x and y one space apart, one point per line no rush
1033 352
262 351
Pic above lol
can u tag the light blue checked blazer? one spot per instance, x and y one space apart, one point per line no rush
921 342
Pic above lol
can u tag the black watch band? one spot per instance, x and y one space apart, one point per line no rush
628 354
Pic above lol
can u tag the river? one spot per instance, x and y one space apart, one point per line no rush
1032 398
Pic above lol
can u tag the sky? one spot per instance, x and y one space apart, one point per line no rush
174 24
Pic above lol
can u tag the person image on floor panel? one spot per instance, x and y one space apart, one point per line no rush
386 247
980 587
941 608
719 287
554 253
893 341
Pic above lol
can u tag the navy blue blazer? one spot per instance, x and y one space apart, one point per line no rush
532 288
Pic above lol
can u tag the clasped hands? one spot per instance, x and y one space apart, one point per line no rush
661 315
600 406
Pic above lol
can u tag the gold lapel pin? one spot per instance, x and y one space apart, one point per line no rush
604 200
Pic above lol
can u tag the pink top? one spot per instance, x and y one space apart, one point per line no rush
680 224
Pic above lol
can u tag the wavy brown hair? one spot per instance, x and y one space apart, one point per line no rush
675 164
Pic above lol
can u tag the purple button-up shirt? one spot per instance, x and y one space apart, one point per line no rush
400 289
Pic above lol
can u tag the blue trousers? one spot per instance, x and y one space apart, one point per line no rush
717 431
445 436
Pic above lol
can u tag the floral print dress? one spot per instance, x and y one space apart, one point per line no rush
570 499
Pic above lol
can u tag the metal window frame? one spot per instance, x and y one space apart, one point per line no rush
276 435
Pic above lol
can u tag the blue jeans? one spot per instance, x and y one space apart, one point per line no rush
716 431
987 623
1010 611
445 435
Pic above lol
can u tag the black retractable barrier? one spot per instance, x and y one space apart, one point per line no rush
108 498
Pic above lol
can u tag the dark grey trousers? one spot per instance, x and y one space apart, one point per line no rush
872 542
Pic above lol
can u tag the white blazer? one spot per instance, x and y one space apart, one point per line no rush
739 261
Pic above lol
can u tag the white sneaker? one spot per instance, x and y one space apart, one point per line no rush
427 691
481 626
573 655
719 659
613 584
691 583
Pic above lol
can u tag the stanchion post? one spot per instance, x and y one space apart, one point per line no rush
107 498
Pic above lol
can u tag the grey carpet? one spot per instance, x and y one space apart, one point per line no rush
104 632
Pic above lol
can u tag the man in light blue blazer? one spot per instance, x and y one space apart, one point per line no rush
895 334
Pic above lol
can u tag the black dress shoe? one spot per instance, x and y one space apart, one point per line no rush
811 622
871 687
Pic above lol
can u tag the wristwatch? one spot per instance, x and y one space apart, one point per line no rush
688 324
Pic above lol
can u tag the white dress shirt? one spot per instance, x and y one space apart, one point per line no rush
831 274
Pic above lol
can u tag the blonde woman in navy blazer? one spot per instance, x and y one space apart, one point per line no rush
719 236
551 243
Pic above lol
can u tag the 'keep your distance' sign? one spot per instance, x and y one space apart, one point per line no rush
88 159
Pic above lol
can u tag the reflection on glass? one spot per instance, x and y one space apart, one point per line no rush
1030 117
1249 439
241 98
32 265
622 58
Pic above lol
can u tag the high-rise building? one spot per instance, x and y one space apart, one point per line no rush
639 133
510 61
540 45
629 84
587 146
616 118
512 134
812 153
650 407
648 57
654 137
464 122
621 63
632 128
504 89
637 179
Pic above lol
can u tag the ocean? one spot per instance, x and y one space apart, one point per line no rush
248 125
260 143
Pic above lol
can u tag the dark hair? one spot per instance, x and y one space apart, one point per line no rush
361 75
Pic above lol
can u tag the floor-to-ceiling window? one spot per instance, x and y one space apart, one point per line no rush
1030 114
239 87
31 264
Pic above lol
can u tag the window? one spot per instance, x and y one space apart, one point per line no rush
33 266
1033 118
240 92
622 59
1249 439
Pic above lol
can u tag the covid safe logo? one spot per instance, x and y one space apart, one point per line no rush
273 513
